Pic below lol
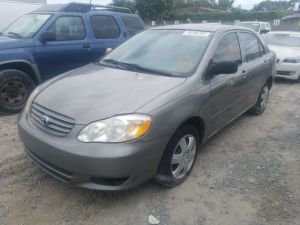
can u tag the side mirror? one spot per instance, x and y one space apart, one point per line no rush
48 36
223 68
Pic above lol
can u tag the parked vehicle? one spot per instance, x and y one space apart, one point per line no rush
145 109
258 27
55 39
286 45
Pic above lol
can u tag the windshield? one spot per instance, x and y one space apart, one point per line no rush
292 40
162 52
253 26
26 26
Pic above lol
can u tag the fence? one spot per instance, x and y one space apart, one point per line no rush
287 24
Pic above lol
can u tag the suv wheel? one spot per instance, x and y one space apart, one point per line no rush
15 88
179 157
262 101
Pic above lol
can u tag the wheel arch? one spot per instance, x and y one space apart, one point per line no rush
198 123
24 66
270 82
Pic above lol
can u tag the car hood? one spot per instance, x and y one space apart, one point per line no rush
283 52
8 43
94 92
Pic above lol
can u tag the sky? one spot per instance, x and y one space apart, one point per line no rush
246 4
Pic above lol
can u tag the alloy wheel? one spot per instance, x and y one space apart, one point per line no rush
184 156
264 97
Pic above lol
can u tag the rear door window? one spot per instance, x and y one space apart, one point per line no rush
105 27
68 28
228 49
133 25
251 46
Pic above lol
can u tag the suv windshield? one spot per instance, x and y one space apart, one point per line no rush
253 26
292 40
26 26
161 52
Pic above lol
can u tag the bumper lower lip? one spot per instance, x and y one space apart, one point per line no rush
107 167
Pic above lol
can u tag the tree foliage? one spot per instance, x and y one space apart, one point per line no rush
159 10
273 6
154 9
148 9
125 3
226 4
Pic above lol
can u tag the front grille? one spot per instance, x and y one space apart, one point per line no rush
54 123
285 73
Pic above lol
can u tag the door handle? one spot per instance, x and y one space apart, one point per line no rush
244 74
87 46
244 71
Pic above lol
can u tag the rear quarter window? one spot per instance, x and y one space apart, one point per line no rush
132 24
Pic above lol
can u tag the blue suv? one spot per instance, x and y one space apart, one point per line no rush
55 39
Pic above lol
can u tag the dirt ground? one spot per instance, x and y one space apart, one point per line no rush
249 174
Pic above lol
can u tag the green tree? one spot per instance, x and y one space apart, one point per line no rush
272 6
226 4
125 3
154 9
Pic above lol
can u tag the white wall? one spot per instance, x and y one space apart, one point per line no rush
10 11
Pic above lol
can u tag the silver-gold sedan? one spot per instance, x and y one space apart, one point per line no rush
145 109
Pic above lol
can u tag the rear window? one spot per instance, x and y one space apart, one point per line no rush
105 27
133 25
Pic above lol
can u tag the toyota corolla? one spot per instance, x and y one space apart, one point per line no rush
146 108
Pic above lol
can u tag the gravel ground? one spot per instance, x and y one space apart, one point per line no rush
249 174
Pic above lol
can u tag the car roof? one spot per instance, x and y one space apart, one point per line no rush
201 27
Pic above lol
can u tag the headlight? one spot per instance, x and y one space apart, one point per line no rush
292 60
116 129
30 100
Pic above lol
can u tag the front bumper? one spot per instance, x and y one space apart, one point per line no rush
99 166
288 71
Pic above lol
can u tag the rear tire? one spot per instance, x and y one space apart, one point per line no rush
179 157
262 101
15 88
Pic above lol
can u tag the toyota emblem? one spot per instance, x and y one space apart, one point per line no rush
45 120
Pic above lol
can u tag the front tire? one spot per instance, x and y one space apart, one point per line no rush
15 88
262 101
179 157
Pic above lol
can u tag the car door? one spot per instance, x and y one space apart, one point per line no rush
69 49
227 90
107 34
256 61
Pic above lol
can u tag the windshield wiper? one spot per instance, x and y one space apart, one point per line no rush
116 63
137 68
15 35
